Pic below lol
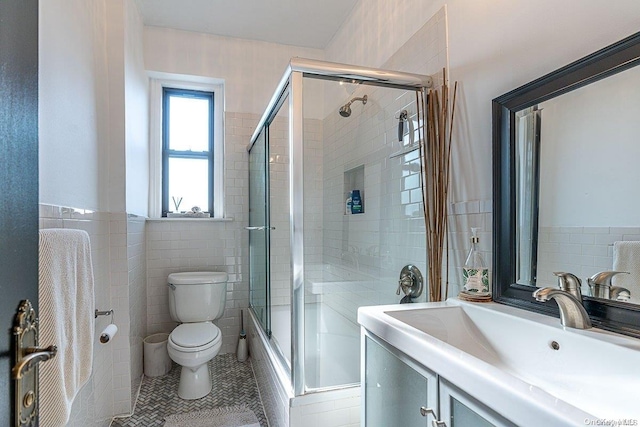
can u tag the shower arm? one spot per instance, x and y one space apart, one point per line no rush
363 99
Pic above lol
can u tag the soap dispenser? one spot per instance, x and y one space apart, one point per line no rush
475 272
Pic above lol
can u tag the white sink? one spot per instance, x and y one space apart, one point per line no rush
518 360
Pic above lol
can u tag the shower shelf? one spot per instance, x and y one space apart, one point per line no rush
406 150
354 180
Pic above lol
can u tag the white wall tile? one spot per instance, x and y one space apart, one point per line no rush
95 402
590 251
174 246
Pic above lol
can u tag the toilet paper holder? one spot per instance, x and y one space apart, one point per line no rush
104 313
109 332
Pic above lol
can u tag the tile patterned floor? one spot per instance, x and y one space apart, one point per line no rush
233 384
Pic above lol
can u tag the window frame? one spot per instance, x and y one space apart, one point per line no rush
158 82
168 153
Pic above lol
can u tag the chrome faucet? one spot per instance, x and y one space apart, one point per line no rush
600 286
619 293
572 313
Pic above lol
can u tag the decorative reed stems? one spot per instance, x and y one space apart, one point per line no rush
435 157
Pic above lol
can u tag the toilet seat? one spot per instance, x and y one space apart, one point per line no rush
194 337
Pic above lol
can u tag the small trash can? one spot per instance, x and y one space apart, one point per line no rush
156 357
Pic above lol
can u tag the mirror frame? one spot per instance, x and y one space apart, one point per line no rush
611 315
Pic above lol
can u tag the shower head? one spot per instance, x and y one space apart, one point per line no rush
345 110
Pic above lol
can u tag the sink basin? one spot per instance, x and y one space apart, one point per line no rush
524 357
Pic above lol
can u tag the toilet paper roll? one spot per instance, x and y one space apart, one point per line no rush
108 333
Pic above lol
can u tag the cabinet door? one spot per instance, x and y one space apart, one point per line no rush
459 409
394 391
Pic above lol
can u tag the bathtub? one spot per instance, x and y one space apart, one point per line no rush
332 368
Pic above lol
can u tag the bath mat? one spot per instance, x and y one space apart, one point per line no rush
228 416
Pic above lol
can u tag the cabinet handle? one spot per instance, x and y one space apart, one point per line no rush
428 411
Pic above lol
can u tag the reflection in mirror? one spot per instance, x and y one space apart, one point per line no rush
526 171
577 195
563 186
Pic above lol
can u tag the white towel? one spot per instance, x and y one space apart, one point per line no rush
626 257
66 312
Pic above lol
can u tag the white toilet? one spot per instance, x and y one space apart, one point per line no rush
195 299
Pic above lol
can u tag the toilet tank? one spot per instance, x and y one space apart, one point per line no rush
197 296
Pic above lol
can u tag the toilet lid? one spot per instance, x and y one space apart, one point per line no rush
194 334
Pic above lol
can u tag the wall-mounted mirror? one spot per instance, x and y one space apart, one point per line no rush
566 175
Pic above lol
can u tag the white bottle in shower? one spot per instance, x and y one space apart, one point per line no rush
347 205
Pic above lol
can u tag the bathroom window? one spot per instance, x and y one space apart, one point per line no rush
187 149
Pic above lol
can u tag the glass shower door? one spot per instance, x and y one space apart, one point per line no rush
258 232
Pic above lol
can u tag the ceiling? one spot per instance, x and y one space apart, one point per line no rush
306 23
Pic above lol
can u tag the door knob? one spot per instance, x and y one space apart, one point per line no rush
27 356
31 356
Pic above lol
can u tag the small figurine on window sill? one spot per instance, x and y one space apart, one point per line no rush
176 203
195 212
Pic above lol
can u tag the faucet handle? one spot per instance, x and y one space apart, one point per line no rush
570 283
604 278
405 284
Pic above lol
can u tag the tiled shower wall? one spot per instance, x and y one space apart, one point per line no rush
280 248
280 255
373 247
207 245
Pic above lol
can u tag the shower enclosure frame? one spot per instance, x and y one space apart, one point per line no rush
291 85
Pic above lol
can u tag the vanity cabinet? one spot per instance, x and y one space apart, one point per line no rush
400 392
395 389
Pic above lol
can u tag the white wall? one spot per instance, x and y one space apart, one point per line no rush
250 69
73 103
84 47
136 90
91 67
116 113
589 155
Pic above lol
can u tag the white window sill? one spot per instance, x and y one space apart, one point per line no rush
226 219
